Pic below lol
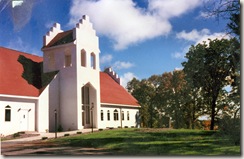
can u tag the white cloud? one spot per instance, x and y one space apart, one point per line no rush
182 53
126 78
196 37
168 8
206 15
118 65
106 58
200 36
178 68
20 45
193 35
126 23
49 24
177 55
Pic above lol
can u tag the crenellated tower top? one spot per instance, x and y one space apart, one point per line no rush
112 74
55 29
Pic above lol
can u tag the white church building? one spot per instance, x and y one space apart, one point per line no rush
67 81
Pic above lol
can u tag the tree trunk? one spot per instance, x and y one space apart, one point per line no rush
213 113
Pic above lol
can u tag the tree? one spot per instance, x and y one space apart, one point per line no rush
208 66
143 91
172 94
227 10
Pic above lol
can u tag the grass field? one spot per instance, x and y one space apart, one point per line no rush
154 142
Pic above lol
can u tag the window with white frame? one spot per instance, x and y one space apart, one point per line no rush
108 115
8 113
116 115
128 115
122 115
101 115
67 60
51 60
83 57
93 61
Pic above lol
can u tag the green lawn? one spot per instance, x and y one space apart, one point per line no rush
154 142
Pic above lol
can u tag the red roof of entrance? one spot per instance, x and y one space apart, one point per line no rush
12 82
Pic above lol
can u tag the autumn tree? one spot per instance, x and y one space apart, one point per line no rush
144 92
208 65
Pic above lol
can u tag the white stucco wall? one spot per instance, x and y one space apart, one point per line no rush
20 106
87 40
54 99
115 124
42 111
63 90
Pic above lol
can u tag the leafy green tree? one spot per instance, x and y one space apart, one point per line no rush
171 94
208 66
143 91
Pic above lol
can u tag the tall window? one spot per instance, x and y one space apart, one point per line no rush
116 115
101 115
51 60
108 114
8 113
128 115
83 58
93 61
122 115
67 60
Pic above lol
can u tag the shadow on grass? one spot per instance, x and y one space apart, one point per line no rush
198 143
131 142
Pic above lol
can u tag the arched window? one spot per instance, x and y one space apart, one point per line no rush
51 60
93 61
108 114
128 115
8 113
122 115
101 115
116 115
83 58
67 61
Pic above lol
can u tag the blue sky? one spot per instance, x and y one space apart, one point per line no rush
138 38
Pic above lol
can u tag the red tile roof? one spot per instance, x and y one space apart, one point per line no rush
12 82
112 92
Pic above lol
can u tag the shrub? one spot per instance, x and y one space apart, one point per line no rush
66 134
16 135
100 129
44 138
60 128
230 128
126 126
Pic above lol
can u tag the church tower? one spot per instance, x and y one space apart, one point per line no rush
76 89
